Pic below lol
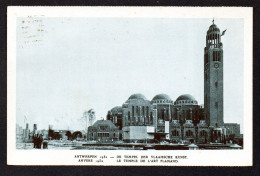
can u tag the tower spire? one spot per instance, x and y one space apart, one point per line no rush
213 20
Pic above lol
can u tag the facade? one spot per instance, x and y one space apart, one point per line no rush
103 131
161 119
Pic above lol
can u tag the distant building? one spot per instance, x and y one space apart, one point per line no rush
232 129
103 130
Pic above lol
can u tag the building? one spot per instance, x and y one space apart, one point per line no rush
162 118
232 129
103 131
115 115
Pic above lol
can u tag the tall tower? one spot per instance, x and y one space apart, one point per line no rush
213 77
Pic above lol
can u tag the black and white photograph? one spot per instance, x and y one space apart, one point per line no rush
130 86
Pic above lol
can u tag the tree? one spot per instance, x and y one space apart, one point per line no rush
88 118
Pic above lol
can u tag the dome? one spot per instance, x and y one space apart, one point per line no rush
117 109
161 97
137 96
213 28
186 97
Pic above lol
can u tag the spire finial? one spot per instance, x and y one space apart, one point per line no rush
213 20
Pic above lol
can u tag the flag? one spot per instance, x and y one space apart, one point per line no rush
223 32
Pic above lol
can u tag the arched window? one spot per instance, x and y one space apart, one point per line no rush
162 114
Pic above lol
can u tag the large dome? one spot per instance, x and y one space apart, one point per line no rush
186 99
137 96
161 97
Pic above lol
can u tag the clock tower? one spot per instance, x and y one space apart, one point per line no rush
213 78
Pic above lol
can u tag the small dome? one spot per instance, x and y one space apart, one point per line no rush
186 97
213 29
161 97
137 96
117 109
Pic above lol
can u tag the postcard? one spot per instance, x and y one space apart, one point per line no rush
130 86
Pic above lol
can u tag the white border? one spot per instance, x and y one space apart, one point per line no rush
66 157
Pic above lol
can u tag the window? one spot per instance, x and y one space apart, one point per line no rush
133 110
162 112
175 133
216 56
128 115
189 133
203 133
147 111
216 84
103 127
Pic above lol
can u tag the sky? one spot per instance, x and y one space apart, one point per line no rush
65 66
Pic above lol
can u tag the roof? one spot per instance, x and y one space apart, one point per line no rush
213 28
117 109
161 96
137 96
186 97
104 122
